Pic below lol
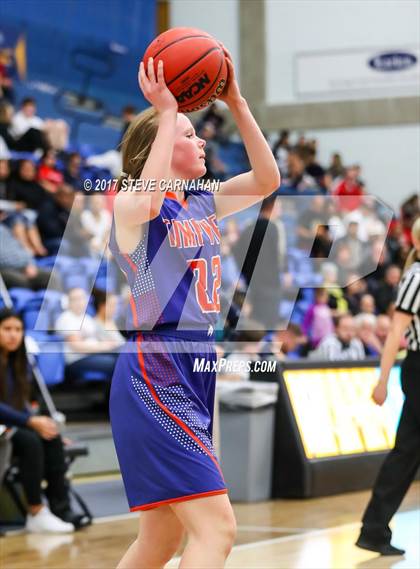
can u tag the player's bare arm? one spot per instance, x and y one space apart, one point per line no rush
263 179
132 207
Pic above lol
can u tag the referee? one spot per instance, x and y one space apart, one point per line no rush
401 464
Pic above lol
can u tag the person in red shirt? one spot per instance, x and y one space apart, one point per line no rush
48 176
350 189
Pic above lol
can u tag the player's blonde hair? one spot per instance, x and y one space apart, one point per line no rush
137 142
414 254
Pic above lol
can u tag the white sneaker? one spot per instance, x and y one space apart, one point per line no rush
46 522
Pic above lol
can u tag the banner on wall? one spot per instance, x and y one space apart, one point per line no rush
358 73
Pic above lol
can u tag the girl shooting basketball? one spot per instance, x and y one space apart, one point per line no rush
168 247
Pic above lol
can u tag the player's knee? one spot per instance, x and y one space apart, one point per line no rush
229 534
221 534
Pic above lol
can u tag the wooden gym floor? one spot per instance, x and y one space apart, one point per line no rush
286 534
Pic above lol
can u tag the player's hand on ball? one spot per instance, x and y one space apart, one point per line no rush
231 94
154 87
380 393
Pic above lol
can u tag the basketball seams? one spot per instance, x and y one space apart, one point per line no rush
194 63
178 40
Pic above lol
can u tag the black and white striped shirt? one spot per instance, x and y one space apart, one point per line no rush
408 301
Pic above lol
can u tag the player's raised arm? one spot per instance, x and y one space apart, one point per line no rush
263 179
147 165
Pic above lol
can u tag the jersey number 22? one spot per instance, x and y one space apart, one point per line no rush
207 302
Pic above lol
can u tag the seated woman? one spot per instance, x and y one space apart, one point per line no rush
36 442
23 189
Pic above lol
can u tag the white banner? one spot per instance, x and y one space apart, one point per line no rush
351 74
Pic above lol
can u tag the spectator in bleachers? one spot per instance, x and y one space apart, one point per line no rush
312 166
297 179
336 167
49 176
27 129
355 245
336 225
354 291
24 188
54 219
344 261
105 307
396 244
369 226
366 332
312 229
367 304
36 442
336 299
26 232
342 345
18 267
318 321
301 143
86 347
375 264
97 222
349 191
281 151
28 195
386 293
72 172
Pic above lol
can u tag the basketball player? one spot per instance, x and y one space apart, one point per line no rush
400 466
167 244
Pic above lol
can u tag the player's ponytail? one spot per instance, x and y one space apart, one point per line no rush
137 143
414 254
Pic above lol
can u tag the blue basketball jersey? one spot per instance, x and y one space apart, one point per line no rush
175 271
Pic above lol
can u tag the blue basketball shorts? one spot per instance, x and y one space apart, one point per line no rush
161 412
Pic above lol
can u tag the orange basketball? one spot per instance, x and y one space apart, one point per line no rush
194 66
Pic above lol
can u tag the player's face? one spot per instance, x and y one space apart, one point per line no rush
188 157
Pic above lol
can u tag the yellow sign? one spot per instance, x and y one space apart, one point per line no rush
335 414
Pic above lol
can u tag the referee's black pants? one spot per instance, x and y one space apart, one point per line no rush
401 464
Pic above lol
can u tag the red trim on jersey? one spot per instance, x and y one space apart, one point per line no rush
132 303
180 499
130 262
177 420
134 311
172 196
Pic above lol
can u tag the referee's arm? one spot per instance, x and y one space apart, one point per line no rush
406 307
400 322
